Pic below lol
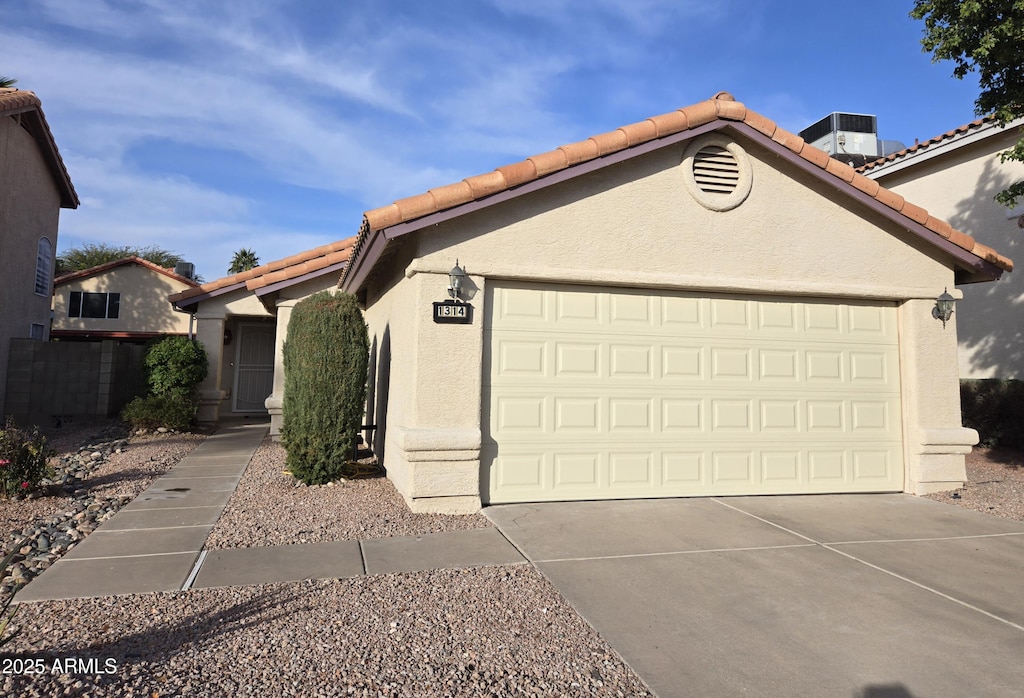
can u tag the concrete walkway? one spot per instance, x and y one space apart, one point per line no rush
155 543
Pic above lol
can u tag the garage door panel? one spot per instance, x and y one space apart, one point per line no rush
523 358
618 393
577 360
631 311
530 413
568 473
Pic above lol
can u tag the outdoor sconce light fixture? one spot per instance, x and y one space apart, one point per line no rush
943 309
456 277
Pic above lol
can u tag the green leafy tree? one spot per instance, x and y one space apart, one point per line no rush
986 36
93 254
325 362
7 82
244 260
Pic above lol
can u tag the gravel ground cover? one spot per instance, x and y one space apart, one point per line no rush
995 484
494 631
98 470
491 631
354 509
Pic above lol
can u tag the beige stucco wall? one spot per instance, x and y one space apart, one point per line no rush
959 187
635 225
144 306
29 210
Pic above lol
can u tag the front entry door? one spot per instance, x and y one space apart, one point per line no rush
254 367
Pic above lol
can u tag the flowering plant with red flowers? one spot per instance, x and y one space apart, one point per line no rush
23 454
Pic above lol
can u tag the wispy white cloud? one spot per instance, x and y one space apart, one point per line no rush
153 102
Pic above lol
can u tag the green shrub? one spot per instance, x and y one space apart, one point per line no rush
325 358
153 411
23 455
175 366
995 408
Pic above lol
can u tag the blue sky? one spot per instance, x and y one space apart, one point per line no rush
204 126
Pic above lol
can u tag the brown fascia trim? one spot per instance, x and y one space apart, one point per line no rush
379 239
41 134
186 303
273 288
976 268
124 261
111 334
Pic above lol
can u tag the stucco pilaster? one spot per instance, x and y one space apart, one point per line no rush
210 333
936 441
275 402
436 448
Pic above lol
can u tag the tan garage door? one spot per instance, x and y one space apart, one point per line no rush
594 393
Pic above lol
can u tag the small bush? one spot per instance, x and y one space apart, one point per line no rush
155 411
23 455
325 358
175 365
995 408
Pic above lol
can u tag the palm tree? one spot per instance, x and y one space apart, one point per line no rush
244 260
7 82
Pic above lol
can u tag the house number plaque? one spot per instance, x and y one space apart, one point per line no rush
449 312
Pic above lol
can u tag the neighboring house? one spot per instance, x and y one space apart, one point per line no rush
697 304
124 300
242 320
34 186
955 176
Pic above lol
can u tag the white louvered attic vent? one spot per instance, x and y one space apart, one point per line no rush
715 170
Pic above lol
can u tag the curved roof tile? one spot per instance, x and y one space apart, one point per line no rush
720 107
274 272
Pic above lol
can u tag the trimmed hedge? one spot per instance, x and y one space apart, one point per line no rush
995 408
325 362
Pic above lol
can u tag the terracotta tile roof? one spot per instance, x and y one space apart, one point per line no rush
923 146
13 102
100 268
274 272
721 107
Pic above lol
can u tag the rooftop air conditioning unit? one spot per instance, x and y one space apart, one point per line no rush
839 133
186 269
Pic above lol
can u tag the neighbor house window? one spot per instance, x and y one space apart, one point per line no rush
44 263
37 331
94 305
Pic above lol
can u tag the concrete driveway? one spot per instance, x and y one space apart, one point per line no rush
865 596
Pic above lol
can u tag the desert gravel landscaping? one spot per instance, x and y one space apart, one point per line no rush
487 631
354 509
472 632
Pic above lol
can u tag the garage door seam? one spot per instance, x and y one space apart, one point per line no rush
826 546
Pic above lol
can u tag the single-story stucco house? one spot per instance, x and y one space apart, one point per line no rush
242 320
696 304
956 176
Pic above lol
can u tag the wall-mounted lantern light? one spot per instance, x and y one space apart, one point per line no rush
943 309
456 277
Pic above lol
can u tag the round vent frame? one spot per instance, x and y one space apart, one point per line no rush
717 172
